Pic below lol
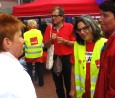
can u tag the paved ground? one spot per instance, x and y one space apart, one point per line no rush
48 90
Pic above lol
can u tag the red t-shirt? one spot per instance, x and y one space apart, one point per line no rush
89 50
66 32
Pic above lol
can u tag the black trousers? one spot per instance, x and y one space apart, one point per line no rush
38 72
63 81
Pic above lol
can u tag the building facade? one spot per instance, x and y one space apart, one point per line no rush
7 5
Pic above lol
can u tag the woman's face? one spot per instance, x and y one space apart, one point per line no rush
85 32
16 47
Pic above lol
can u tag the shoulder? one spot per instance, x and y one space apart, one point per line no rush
10 66
76 44
49 26
103 39
111 40
68 24
110 45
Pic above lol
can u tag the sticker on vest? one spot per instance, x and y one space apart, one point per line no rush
97 63
34 41
79 61
88 57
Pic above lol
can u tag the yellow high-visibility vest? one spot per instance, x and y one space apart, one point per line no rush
80 66
33 43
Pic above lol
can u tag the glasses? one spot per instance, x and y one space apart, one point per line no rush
55 15
84 29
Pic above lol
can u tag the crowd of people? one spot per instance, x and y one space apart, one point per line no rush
87 58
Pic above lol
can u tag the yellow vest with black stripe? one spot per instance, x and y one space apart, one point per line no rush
33 43
80 66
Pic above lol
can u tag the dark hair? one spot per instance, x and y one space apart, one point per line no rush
61 10
88 21
108 5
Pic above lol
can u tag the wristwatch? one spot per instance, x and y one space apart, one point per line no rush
66 41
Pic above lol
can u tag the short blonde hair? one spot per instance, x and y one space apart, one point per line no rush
32 23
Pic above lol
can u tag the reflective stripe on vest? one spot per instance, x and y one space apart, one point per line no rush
33 52
78 77
79 88
80 66
31 47
92 93
93 79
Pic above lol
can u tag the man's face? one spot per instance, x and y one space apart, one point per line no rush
56 18
107 21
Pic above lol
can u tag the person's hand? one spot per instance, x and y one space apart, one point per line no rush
60 40
53 36
72 94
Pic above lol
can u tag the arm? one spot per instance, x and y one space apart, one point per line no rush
69 43
64 41
68 39
72 91
47 37
111 72
48 43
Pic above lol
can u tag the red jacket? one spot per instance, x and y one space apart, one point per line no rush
105 87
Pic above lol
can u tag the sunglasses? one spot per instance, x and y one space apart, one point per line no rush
84 29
